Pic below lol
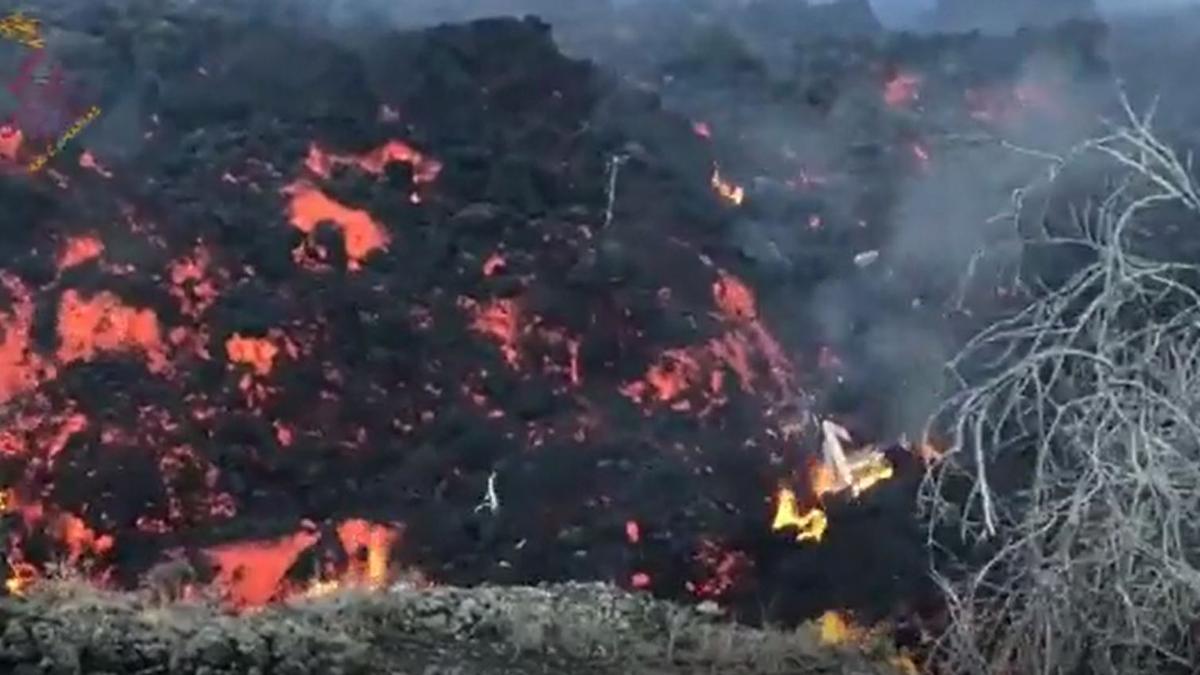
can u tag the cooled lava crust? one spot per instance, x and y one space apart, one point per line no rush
299 304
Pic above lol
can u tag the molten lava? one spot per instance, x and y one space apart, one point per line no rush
79 250
309 206
102 323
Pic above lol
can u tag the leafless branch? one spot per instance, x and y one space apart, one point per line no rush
1076 444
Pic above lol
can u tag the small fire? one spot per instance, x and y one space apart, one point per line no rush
810 526
702 129
866 470
22 576
357 536
836 629
734 194
856 470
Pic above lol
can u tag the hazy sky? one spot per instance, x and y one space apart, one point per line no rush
893 10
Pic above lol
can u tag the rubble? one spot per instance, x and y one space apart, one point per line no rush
70 629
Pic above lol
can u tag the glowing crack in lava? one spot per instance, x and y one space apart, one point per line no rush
308 205
693 378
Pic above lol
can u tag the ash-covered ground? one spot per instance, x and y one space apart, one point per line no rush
311 301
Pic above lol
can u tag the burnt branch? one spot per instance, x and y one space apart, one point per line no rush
1075 463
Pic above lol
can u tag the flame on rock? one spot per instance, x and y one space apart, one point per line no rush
809 526
730 192
21 577
358 536
836 629
866 471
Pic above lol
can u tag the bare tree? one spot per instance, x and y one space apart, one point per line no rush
1074 469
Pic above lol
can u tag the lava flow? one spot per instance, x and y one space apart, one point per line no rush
325 325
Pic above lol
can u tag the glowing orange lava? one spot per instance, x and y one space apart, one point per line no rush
500 320
308 206
79 250
88 326
259 353
746 349
21 369
251 572
425 169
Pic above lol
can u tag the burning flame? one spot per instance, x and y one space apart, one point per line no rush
358 535
734 194
810 526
